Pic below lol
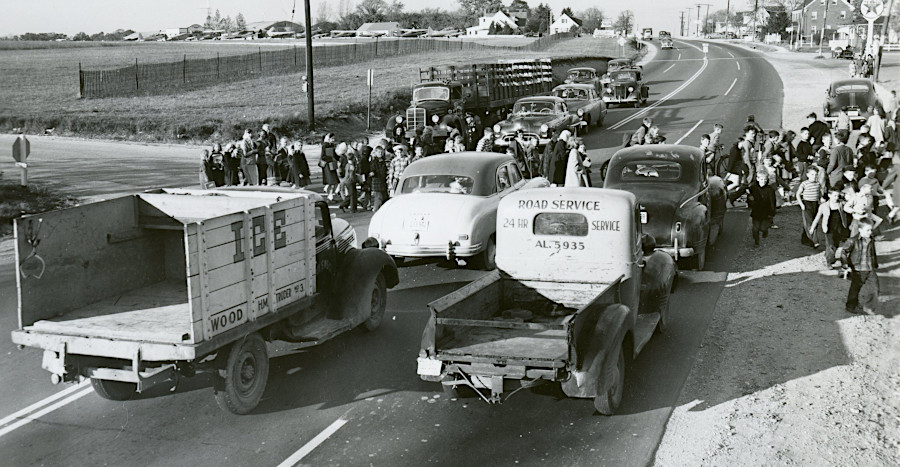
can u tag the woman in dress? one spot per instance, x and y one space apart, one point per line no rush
328 163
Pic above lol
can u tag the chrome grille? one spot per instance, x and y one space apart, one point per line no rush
415 118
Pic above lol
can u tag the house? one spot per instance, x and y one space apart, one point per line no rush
564 23
378 29
811 18
499 18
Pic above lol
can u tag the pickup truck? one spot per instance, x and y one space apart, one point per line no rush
138 290
577 294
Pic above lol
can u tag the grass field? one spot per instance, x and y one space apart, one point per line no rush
16 200
40 91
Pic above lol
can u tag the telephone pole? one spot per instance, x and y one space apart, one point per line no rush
727 16
310 99
824 23
706 22
698 19
681 25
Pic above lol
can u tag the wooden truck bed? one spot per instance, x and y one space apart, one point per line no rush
545 344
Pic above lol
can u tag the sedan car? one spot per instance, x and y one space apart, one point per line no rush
667 44
535 116
672 189
614 65
446 206
583 101
584 75
857 94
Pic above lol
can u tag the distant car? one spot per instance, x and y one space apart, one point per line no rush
614 65
730 35
845 53
667 43
535 116
856 94
626 86
584 75
672 189
446 206
584 101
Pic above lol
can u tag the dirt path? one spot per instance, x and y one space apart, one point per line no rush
785 376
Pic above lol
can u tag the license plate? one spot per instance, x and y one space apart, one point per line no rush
643 217
416 223
853 113
429 366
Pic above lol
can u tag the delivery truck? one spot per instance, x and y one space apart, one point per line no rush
143 289
578 292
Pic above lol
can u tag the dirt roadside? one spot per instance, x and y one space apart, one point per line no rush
785 376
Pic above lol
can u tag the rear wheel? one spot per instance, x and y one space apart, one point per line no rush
398 260
487 259
603 170
114 390
245 374
607 402
377 304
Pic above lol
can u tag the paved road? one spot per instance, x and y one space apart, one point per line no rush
357 400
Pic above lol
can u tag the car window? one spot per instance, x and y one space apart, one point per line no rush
503 179
639 171
514 174
562 108
453 184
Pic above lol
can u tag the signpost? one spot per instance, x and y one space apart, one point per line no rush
21 148
871 10
705 48
370 81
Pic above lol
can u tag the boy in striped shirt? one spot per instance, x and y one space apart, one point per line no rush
808 195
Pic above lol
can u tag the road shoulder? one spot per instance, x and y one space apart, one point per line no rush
784 374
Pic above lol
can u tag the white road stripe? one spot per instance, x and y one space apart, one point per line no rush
732 55
679 55
730 87
670 67
313 443
739 65
688 132
663 99
43 402
45 411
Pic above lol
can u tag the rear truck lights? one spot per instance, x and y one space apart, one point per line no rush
463 237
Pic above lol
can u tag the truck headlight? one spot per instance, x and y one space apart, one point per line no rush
630 89
399 119
497 128
435 118
580 112
545 128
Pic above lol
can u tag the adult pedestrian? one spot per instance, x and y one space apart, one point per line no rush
248 150
364 158
378 174
232 164
575 165
858 253
817 128
761 199
300 176
876 124
547 153
328 164
556 165
398 164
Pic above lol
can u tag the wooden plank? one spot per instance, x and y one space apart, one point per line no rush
199 207
509 343
230 310
270 261
479 299
223 255
225 234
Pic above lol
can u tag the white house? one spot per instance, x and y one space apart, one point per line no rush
484 24
564 23
378 29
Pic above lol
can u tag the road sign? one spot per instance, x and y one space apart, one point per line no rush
21 148
705 48
370 77
621 42
871 9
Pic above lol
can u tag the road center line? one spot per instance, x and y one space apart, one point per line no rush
688 132
731 54
670 67
730 87
47 400
313 443
662 99
739 65
679 56
45 411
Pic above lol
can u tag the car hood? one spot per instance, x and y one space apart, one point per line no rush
435 217
661 203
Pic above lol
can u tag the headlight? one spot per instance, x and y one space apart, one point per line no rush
435 118
609 90
399 119
545 128
580 112
630 88
497 128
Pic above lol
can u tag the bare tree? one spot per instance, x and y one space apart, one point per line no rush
624 22
323 12
591 19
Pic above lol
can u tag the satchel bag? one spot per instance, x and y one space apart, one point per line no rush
322 164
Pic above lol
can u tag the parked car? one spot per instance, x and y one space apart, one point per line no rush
626 87
857 94
584 75
535 116
446 206
671 187
843 52
584 101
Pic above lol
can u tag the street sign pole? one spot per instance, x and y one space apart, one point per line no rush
370 81
871 10
20 150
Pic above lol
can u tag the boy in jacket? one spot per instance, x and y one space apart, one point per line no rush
858 253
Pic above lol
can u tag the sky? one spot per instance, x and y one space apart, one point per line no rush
92 16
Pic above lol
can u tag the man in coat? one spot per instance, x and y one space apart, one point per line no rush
556 166
378 174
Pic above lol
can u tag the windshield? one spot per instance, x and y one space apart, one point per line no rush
625 76
533 107
571 93
580 74
453 184
637 171
851 88
615 65
431 93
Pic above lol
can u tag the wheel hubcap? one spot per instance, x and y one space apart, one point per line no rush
246 374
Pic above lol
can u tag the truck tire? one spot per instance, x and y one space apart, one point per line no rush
245 374
114 390
603 170
377 303
487 259
398 260
607 402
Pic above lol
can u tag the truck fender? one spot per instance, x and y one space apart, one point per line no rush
656 278
357 272
601 354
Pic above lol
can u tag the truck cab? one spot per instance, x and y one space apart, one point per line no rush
432 103
577 294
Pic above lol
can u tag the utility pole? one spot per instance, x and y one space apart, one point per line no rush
727 16
310 98
700 28
884 35
756 15
681 27
698 19
824 23
706 20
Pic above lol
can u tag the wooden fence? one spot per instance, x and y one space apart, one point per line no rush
187 74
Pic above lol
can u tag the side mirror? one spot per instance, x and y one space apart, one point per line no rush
648 244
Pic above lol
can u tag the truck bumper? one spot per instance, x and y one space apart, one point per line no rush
448 250
678 252
486 376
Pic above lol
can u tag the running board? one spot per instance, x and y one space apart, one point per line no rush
644 329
